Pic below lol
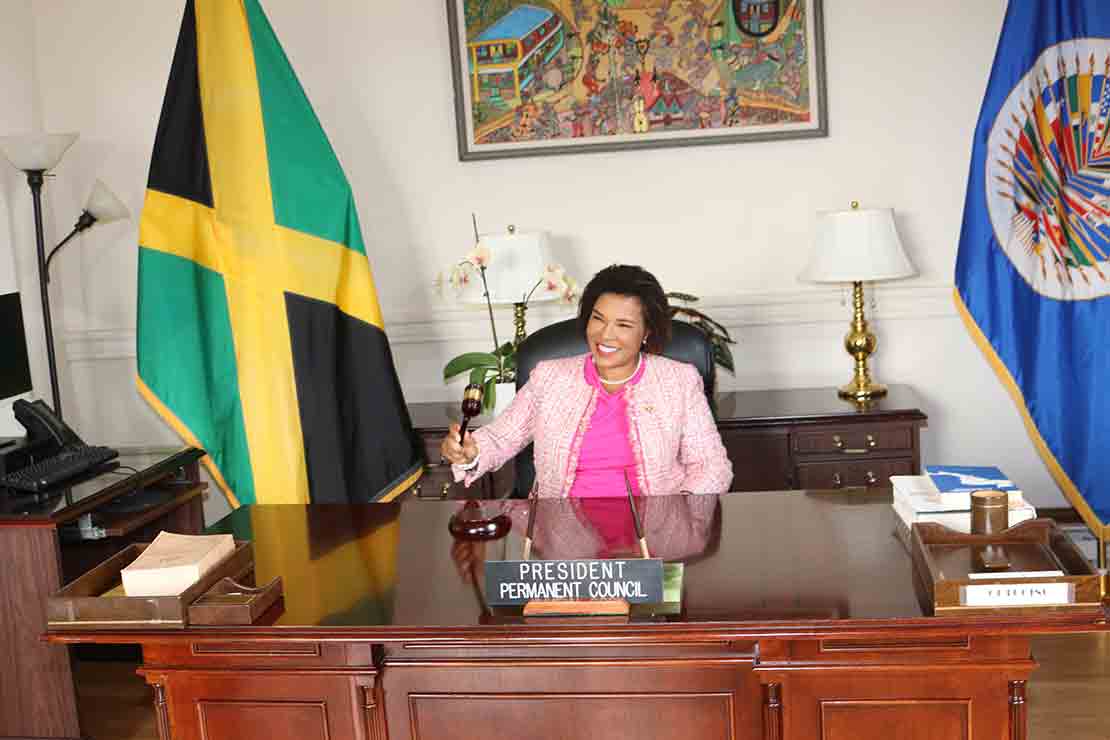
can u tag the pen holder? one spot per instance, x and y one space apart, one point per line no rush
990 512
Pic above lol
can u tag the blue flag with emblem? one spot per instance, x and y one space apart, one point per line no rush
1032 275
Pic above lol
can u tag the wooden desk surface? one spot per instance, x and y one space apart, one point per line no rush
803 405
91 491
776 561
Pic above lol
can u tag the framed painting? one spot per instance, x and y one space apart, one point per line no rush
564 76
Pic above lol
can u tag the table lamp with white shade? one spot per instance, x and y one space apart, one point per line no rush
857 246
518 260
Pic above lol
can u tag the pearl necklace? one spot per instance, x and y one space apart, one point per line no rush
639 362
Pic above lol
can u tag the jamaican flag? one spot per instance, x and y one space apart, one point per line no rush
259 332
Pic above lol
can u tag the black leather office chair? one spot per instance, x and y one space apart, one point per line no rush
564 339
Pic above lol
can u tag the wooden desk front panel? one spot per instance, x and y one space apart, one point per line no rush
896 688
850 704
833 689
266 704
572 699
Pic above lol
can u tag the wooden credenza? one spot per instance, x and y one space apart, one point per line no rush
800 620
776 439
42 546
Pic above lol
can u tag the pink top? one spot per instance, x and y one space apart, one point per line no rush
606 456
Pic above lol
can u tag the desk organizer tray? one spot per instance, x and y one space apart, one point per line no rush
229 602
953 576
96 599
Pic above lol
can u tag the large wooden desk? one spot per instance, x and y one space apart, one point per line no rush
42 546
777 439
800 620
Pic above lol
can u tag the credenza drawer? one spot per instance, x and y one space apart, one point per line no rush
851 474
859 439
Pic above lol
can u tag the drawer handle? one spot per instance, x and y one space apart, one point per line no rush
838 442
837 482
871 479
418 492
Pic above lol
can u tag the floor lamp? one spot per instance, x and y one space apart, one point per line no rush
35 154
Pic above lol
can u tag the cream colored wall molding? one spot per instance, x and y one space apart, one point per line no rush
468 324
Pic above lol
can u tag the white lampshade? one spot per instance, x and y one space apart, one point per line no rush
517 261
35 151
104 206
856 245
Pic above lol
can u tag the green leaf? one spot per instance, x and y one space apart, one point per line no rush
489 395
478 375
722 355
686 297
469 361
505 350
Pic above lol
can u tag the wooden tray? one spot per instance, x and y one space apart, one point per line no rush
941 558
84 603
230 602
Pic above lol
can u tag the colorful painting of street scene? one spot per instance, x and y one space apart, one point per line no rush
578 71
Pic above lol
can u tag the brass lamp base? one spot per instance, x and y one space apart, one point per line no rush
860 344
859 394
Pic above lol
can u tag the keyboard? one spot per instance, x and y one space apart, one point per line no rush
70 461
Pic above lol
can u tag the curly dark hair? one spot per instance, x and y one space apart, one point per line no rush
634 281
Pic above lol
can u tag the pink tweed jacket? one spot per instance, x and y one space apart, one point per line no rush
674 438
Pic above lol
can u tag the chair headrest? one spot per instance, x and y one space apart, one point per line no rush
563 339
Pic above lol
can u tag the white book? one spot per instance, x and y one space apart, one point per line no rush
959 521
173 562
923 495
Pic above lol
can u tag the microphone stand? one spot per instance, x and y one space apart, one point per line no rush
636 519
531 524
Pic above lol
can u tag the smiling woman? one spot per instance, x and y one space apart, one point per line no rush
617 417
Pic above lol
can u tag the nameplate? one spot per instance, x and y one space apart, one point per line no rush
1014 594
514 582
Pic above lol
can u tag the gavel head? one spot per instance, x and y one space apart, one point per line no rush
472 400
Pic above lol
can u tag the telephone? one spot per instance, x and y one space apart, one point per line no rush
46 433
50 455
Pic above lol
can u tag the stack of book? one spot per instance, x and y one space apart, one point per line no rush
943 496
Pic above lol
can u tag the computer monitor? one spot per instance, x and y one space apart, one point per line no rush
15 369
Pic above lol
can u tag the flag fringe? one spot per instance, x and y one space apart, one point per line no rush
187 436
410 478
1062 479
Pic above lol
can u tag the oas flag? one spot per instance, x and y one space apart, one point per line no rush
1032 277
259 332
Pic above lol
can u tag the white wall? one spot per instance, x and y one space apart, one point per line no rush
732 223
17 114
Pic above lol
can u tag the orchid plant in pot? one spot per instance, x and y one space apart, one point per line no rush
488 369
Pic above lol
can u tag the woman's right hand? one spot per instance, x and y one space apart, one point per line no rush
455 453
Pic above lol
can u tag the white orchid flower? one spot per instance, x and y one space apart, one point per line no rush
479 256
460 275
